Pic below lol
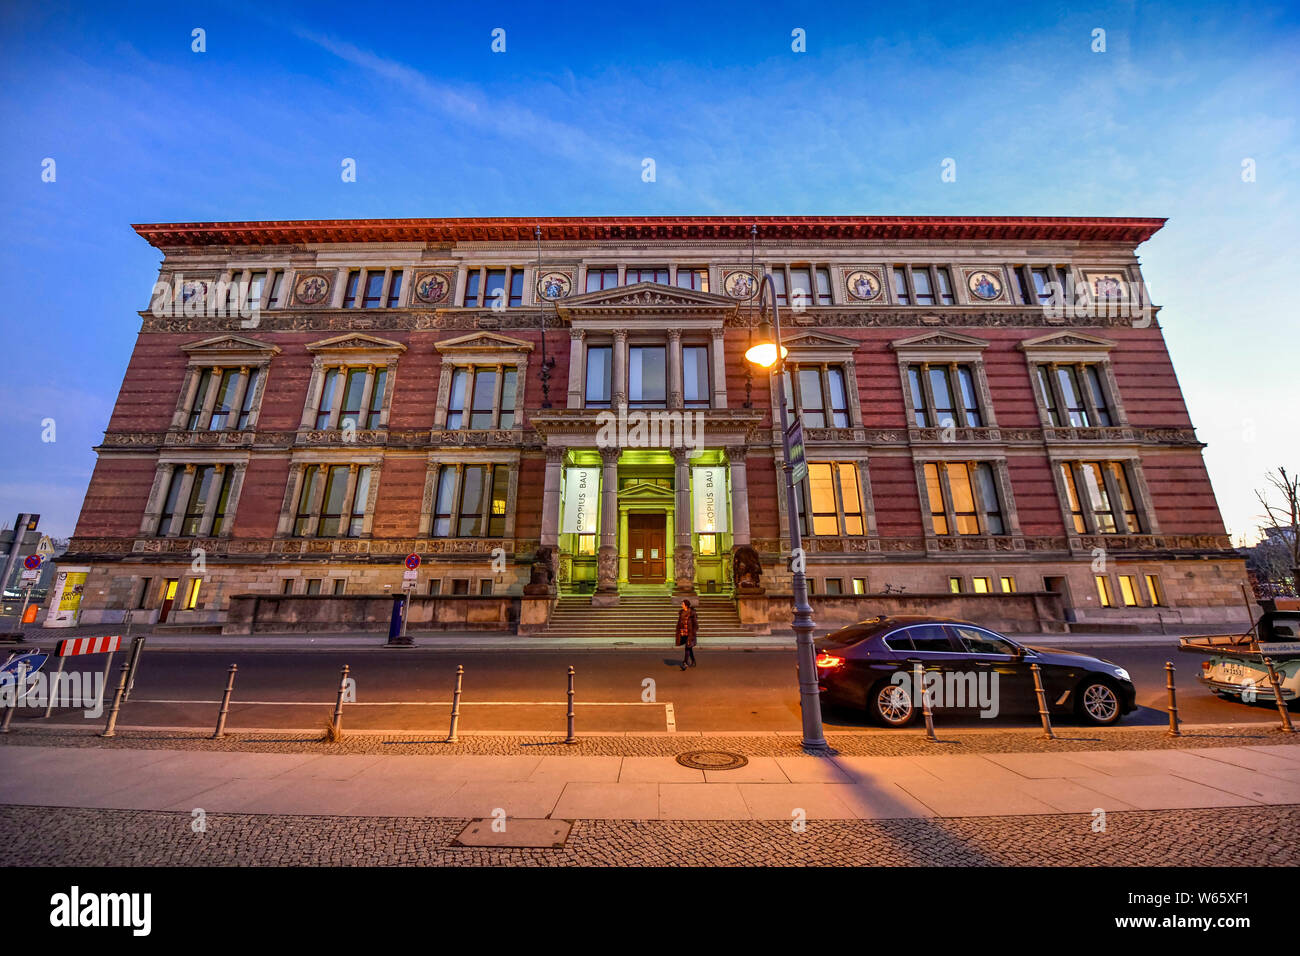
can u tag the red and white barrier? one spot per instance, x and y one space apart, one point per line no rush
75 646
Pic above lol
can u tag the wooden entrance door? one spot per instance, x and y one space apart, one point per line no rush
647 561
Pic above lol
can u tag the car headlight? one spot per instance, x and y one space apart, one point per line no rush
1123 674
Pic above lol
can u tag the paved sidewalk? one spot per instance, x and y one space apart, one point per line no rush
650 788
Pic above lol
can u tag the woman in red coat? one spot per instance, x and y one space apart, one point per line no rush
688 626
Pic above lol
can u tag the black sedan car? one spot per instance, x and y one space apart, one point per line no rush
964 667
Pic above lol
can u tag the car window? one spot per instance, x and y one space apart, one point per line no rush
899 641
979 641
930 637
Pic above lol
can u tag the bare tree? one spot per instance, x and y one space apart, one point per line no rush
1284 515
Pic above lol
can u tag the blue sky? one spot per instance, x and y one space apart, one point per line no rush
142 129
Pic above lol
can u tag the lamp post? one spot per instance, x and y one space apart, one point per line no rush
766 352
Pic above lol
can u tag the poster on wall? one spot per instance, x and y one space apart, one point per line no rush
709 486
65 597
581 500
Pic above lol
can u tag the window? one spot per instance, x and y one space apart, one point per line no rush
372 288
823 277
286 586
460 586
944 395
485 586
1103 591
859 585
900 288
348 388
646 274
255 289
976 640
598 279
1074 395
980 585
1128 590
144 593
343 493
599 376
778 287
1154 592
326 406
960 495
489 393
350 289
206 483
647 376
832 495
340 585
493 288
374 296
708 544
801 293
1107 505
834 585
820 393
923 285
232 392
313 585
475 506
954 585
170 501
1033 284
805 284
394 291
435 587
1008 585
192 593
695 376
931 638
693 278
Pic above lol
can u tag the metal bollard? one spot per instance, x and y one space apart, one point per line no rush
1277 696
455 705
918 684
338 706
21 682
110 727
225 704
1042 702
137 646
1173 700
571 739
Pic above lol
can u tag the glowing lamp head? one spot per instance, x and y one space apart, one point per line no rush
763 352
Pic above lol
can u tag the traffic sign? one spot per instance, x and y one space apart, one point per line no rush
411 575
31 574
32 562
76 646
31 662
412 562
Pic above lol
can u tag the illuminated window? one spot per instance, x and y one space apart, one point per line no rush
708 544
586 544
1103 591
1128 590
859 585
1154 592
971 492
1008 585
980 585
192 594
1107 505
483 505
954 585
832 495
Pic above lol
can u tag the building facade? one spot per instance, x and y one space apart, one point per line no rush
990 416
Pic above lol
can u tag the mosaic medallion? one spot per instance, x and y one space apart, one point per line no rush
194 290
1106 285
554 285
863 285
311 290
712 760
740 285
432 287
984 285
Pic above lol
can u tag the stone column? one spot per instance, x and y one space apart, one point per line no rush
739 495
367 394
623 555
675 396
349 506
577 368
607 557
550 536
317 499
683 553
718 379
618 390
336 406
210 400
232 505
188 394
157 493
313 393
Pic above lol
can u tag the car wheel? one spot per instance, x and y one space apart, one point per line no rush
1098 702
891 705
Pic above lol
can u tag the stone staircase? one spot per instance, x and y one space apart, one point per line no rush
642 615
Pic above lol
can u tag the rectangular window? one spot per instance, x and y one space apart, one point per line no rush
350 289
598 279
286 586
221 513
801 294
587 544
945 285
444 501
332 505
1128 509
598 376
376 411
494 288
778 285
199 492
859 585
695 376
456 400
435 587
313 585
839 399
470 513
516 287
328 385
1103 591
1042 280
340 585
920 415
1049 396
945 412
1128 590
200 396
192 594
374 290
394 291
954 585
851 497
811 402
485 586
963 498
171 501
484 398
1072 498
647 376
1155 594
969 399
980 585
1093 379
509 382
965 481
350 411
900 287
1020 289
646 274
311 478
144 593
834 585
250 395
277 284
221 411
360 501
472 288
921 285
934 493
497 505
1008 585
1075 411
1094 484
821 491
460 586
708 544
823 277
697 279
990 501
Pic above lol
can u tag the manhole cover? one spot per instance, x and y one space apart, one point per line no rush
712 760
548 834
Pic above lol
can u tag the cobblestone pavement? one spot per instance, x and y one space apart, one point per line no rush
1225 837
891 744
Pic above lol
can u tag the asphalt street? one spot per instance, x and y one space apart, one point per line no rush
617 690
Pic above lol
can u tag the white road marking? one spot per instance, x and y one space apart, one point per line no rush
671 718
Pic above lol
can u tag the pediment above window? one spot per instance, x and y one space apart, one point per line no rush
230 350
642 296
812 346
355 341
1070 340
939 346
482 342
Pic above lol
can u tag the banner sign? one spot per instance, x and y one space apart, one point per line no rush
709 485
581 500
794 449
65 597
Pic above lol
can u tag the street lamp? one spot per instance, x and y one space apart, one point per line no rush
766 352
